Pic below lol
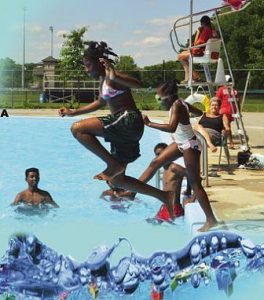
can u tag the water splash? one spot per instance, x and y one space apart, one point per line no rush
32 269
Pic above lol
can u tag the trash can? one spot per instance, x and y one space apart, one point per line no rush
42 98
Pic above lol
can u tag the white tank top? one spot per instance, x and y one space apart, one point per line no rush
183 132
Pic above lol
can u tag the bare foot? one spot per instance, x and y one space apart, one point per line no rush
207 225
169 202
110 172
232 146
212 148
126 194
188 200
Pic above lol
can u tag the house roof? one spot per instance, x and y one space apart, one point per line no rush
50 59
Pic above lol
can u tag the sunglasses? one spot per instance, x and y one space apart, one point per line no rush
159 98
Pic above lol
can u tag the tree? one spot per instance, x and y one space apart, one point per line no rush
71 55
127 64
155 74
10 73
243 35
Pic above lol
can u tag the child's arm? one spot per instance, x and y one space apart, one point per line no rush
117 77
171 126
82 110
49 200
17 199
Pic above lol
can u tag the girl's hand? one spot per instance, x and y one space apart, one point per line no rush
65 112
109 69
146 120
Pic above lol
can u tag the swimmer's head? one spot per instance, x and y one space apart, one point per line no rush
35 170
159 148
32 176
92 56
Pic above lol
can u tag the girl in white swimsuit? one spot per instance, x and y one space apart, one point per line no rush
186 145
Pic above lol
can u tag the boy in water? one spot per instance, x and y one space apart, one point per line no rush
33 195
172 180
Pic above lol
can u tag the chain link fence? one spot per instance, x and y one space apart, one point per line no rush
65 86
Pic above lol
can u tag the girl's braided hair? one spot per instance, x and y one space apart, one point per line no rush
97 50
170 87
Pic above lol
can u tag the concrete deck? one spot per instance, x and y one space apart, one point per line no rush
235 196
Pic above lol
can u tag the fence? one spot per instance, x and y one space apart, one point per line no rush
65 86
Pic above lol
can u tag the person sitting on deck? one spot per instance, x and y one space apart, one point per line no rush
33 195
212 125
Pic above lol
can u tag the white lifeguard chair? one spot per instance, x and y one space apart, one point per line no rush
211 56
211 52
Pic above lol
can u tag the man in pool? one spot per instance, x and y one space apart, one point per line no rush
172 180
33 195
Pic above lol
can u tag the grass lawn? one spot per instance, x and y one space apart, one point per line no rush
144 98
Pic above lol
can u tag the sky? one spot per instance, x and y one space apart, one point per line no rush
139 28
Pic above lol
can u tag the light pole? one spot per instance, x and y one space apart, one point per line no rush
51 40
24 48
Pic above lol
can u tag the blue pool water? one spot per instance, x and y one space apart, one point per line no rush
83 220
66 171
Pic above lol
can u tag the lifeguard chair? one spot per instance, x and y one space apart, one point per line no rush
211 56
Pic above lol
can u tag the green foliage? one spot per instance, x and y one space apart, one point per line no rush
127 64
71 55
156 74
9 73
244 39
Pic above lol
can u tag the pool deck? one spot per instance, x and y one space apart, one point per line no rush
237 195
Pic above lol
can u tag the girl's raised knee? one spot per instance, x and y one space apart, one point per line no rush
74 128
116 181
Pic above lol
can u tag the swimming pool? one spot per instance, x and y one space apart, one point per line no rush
83 220
66 171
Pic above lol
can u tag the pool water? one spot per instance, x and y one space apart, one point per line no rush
83 220
66 171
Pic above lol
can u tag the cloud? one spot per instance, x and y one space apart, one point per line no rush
153 41
131 43
34 28
99 26
169 20
138 31
137 55
41 45
60 33
104 26
149 41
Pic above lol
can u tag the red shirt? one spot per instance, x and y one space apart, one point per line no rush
202 36
223 95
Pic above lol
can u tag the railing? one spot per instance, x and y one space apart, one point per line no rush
203 162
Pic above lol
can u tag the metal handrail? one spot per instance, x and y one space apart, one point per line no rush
204 163
204 158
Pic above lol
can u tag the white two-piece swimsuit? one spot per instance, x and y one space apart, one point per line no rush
184 136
